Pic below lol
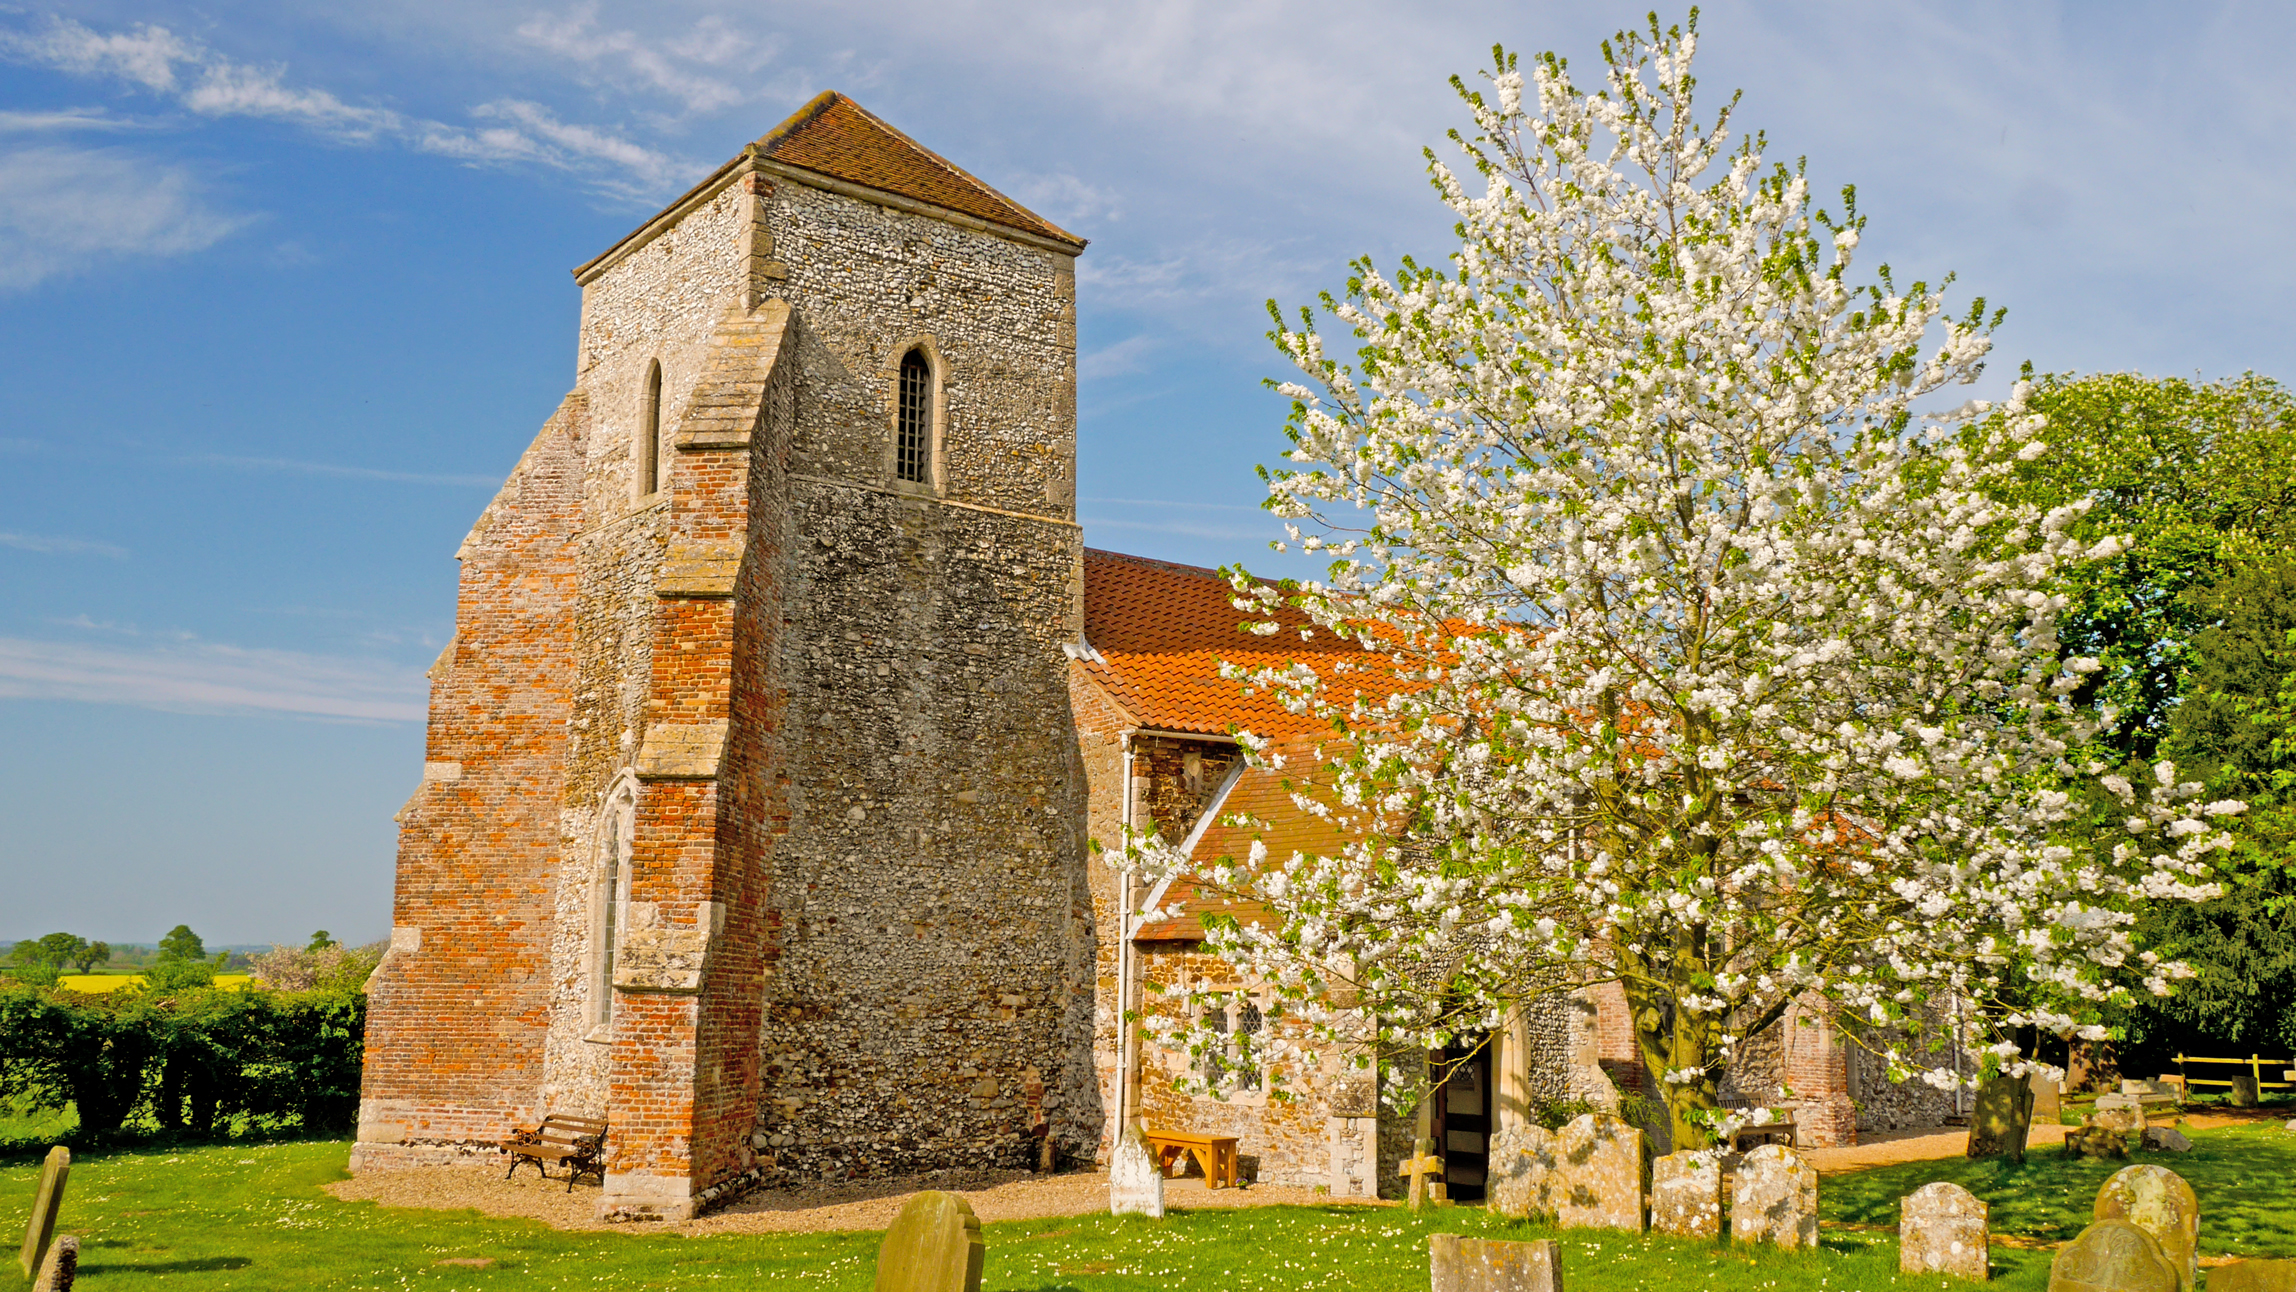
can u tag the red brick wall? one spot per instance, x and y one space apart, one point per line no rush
458 1010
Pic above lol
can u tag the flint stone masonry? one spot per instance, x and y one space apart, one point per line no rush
2160 1202
1600 1174
1943 1228
1522 1171
1774 1198
1458 1264
2112 1256
1686 1195
934 1245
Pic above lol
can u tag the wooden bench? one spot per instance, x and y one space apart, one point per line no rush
1216 1154
1770 1133
579 1142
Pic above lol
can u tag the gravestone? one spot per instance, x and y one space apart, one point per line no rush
1425 1170
2095 1141
2244 1088
1942 1229
1686 1195
2158 1201
1522 1172
61 1266
2253 1276
45 1204
2162 1139
2048 1099
1774 1198
1599 1174
1135 1181
2112 1256
2119 1113
934 1246
1456 1264
2003 1117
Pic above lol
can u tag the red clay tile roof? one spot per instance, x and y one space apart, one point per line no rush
837 137
1161 631
1262 798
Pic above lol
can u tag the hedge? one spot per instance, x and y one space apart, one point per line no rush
188 1060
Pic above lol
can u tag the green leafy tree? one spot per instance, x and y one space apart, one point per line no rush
91 955
320 941
181 944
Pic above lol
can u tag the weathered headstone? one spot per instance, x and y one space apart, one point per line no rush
2163 1139
2112 1256
2095 1141
1456 1264
60 1267
1942 1229
2119 1113
1774 1198
2048 1098
1686 1195
1599 1174
2158 1201
45 1204
934 1246
1522 1172
2002 1119
1426 1171
2253 1276
1135 1181
2244 1088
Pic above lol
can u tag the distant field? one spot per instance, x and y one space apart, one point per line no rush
103 982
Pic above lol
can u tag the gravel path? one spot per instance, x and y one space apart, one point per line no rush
993 1195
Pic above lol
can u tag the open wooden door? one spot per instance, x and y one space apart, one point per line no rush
1462 1120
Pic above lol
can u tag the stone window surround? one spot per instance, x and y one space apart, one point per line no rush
935 482
1254 1096
647 460
616 820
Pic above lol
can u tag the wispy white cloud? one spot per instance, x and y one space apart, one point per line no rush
205 677
60 121
65 208
1227 533
47 543
1129 355
337 470
685 66
209 84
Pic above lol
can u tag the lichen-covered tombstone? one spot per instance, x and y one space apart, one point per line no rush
1522 1172
2112 1256
1686 1195
1943 1228
1774 1198
1600 1174
2158 1201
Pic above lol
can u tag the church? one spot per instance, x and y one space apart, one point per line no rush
769 771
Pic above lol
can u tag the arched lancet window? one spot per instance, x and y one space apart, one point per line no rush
913 444
610 898
650 431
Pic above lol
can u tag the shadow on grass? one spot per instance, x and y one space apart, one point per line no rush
204 1265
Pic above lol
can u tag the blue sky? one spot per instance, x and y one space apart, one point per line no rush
284 292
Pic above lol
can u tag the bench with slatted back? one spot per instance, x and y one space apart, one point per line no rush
579 1142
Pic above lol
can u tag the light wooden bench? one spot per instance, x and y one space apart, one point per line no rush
1770 1133
578 1142
1216 1154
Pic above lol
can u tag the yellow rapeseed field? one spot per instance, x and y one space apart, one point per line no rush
103 982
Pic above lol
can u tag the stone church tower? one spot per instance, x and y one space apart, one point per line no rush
752 817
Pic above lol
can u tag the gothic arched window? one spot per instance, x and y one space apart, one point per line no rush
913 440
609 899
650 431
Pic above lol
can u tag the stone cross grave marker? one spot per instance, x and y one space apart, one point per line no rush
1774 1198
1599 1174
1942 1229
61 1267
1456 1264
1420 1166
45 1204
2112 1256
1686 1195
1135 1180
2158 1201
934 1246
1522 1172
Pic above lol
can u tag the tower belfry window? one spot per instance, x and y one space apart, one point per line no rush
650 431
913 443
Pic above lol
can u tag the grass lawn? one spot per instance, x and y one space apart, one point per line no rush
2243 1176
253 1216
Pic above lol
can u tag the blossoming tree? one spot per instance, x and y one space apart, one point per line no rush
1716 675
